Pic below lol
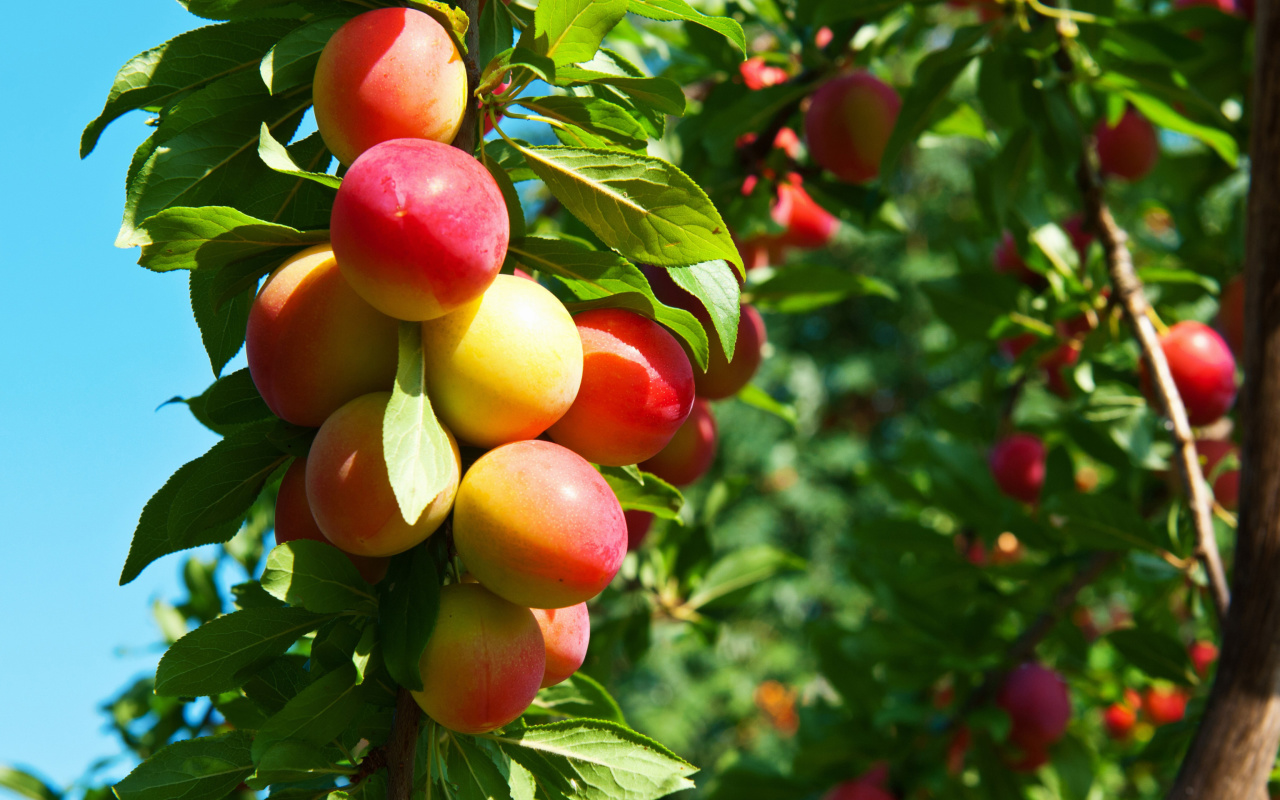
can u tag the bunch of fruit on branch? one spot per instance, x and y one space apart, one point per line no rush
527 396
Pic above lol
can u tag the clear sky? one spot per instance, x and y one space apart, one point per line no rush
94 343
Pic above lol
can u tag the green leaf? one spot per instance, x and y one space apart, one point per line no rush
643 207
223 483
452 19
407 613
668 10
750 113
277 157
581 696
291 62
234 400
806 287
510 197
606 120
1162 114
1151 41
474 772
274 684
1101 521
584 759
235 9
290 761
593 275
715 286
316 715
418 452
1157 654
219 655
964 121
929 87
756 397
155 78
833 11
511 59
212 237
496 33
318 577
151 539
570 31
652 494
208 768
741 569
663 94
27 785
222 326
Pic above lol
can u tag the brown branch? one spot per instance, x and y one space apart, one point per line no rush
1235 745
1128 291
469 134
403 746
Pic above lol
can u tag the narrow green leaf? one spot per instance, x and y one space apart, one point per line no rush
418 452
756 397
581 696
643 207
511 197
1162 114
217 656
290 761
716 287
593 275
739 570
1157 654
496 33
663 94
277 157
407 613
292 61
316 715
212 237
806 287
222 326
208 768
234 400
317 577
236 9
570 31
669 10
27 785
188 62
223 483
584 759
151 539
1101 521
474 772
929 87
653 494
609 121
511 59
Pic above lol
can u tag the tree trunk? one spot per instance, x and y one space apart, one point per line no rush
1235 747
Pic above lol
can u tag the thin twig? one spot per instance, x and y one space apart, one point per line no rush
1128 291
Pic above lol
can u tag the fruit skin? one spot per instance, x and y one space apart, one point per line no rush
566 632
638 524
294 521
637 389
1129 150
1226 487
504 367
1017 464
1119 720
419 228
391 73
1165 706
848 124
1036 700
757 74
349 489
313 343
483 663
561 556
1203 370
690 453
808 225
1231 314
1203 654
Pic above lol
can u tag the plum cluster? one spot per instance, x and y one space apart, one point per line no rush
419 232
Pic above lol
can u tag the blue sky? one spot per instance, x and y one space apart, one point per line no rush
94 344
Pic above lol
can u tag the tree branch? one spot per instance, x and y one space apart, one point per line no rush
1129 293
469 134
1235 745
403 746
